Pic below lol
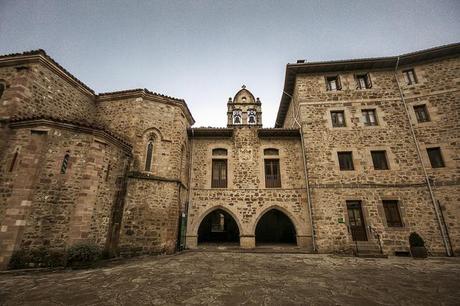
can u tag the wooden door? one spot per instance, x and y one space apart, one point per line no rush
356 221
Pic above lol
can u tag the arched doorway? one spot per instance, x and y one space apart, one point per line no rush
218 227
275 228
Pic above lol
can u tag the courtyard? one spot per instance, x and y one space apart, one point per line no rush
219 278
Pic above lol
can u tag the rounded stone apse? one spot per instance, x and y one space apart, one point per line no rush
274 227
218 227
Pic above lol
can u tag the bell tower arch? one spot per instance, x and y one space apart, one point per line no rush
244 110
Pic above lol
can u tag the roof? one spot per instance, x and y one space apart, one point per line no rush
145 93
278 132
209 132
41 56
292 70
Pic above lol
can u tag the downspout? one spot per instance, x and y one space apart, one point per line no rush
187 203
305 169
433 199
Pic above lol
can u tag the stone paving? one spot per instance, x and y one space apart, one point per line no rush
214 278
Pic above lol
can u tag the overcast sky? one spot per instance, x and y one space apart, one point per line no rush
203 51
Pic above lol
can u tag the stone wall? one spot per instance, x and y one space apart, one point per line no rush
152 209
246 198
43 207
405 180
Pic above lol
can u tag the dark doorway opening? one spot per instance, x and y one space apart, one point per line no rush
275 227
218 227
356 221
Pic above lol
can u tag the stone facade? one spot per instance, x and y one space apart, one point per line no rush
127 171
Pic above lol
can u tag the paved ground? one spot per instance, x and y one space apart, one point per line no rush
242 278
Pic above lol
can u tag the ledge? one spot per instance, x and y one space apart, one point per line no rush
209 132
278 132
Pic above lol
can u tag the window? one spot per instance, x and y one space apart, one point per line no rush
219 173
379 159
218 223
333 83
251 116
435 157
410 77
363 81
421 113
2 89
65 163
14 160
338 118
345 161
109 167
236 117
369 117
272 173
148 156
392 213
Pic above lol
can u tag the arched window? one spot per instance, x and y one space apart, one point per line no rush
13 161
65 163
149 155
252 116
237 117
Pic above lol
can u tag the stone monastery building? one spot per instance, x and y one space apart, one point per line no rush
363 153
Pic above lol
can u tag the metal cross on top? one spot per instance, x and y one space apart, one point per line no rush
244 86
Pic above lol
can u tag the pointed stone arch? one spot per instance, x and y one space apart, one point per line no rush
289 231
210 210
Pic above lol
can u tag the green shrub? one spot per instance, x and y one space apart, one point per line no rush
36 258
415 240
83 255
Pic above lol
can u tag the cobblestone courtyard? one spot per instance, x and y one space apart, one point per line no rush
242 278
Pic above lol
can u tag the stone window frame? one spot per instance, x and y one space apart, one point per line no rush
401 208
447 155
356 157
391 159
282 159
419 75
155 136
368 77
379 113
227 157
432 113
347 114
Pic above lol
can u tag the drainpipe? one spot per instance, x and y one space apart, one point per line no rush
305 169
428 183
187 203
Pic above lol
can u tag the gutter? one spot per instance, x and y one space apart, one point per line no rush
305 169
442 228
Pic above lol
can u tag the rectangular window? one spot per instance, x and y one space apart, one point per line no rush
345 161
363 81
369 117
410 77
435 157
272 173
333 83
392 213
338 118
421 113
219 173
379 158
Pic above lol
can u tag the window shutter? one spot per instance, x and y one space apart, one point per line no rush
368 81
339 84
327 83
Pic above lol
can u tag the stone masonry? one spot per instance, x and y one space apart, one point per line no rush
125 170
